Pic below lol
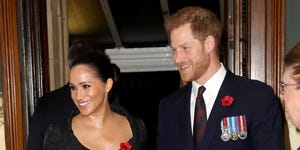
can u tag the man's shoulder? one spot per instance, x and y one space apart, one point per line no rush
57 92
245 88
245 82
57 99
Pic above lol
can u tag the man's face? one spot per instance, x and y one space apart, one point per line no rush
189 54
290 96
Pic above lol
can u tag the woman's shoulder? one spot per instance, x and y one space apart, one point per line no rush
138 128
134 122
139 125
140 135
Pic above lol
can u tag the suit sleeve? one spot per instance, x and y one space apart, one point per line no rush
53 138
161 141
36 129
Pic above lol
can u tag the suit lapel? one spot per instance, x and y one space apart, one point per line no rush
218 111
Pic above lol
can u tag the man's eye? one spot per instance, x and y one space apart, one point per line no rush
185 47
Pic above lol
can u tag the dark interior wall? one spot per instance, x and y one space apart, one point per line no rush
139 23
292 24
140 94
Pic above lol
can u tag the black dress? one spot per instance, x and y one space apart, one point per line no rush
59 136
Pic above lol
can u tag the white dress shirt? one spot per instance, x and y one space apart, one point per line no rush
212 87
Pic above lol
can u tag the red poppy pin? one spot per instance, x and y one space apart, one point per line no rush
227 100
125 146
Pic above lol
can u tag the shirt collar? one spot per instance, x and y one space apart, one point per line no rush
213 84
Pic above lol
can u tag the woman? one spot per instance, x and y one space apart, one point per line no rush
290 85
96 124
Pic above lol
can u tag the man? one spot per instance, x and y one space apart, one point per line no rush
290 86
58 105
234 113
54 106
290 91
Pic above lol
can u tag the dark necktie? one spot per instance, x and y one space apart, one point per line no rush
199 118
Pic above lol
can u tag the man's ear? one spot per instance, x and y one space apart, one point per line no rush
209 43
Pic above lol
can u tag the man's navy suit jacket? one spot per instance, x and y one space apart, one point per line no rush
52 107
253 99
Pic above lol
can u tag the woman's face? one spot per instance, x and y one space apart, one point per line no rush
88 91
290 96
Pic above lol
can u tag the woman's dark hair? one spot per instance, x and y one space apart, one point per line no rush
99 62
117 72
78 47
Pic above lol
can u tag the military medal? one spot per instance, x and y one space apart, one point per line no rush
242 127
233 128
233 125
225 136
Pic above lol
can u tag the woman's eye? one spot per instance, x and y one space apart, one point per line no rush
72 88
86 86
